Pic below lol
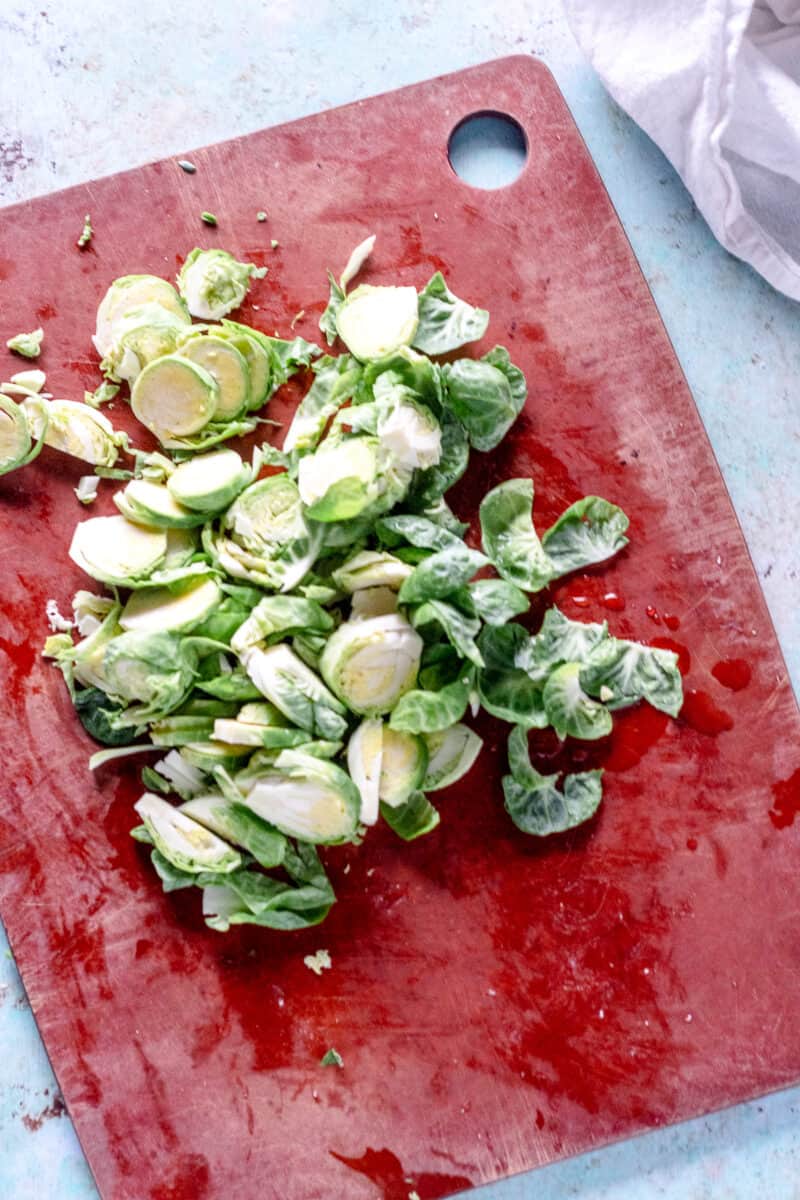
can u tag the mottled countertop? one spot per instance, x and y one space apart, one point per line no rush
87 90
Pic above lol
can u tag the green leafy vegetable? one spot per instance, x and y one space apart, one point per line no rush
445 322
441 574
590 531
536 804
509 538
570 710
413 819
624 672
479 393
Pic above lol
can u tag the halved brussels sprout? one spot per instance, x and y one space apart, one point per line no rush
307 798
370 664
212 282
403 763
451 753
183 842
364 752
375 321
166 610
341 478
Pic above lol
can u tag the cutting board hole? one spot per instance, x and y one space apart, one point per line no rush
488 150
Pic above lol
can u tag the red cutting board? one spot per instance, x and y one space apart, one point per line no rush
498 1001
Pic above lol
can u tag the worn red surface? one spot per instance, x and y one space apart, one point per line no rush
498 1002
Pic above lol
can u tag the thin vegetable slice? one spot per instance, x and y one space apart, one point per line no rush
174 397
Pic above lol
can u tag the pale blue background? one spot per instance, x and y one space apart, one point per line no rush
89 88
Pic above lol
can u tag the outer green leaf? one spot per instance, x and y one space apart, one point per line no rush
497 601
632 672
570 711
327 321
560 640
445 322
480 394
544 809
96 712
499 357
441 574
428 485
172 878
335 380
460 629
428 712
417 531
590 531
413 819
509 539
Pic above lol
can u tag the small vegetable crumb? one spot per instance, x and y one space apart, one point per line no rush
274 243
208 218
331 1058
261 216
86 491
32 381
187 166
319 962
57 622
29 345
86 233
8 954
106 391
297 317
413 1196
258 272
606 694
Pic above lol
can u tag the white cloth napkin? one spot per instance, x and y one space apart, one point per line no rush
716 84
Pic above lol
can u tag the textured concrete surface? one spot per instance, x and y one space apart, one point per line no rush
86 90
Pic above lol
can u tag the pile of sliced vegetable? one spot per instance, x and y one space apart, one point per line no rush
304 646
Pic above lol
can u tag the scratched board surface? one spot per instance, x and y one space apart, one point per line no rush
498 1001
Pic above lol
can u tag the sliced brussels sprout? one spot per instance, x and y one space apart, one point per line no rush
404 760
126 293
174 397
341 478
410 432
228 366
114 550
156 669
237 824
270 541
370 664
143 335
88 656
208 755
451 753
371 569
295 689
32 380
74 429
364 752
255 355
175 611
209 482
375 321
17 448
183 842
372 602
212 282
153 504
307 798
